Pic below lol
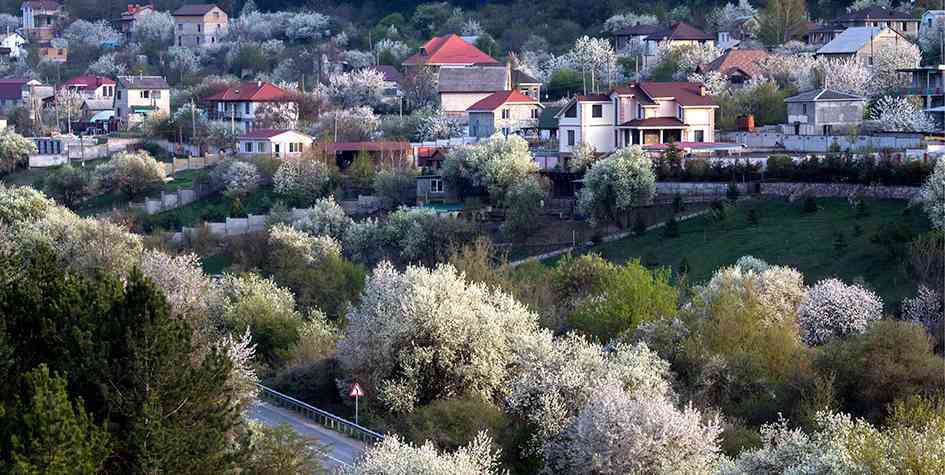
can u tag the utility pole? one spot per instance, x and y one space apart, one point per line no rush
193 121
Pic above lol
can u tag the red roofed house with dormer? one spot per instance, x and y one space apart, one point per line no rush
448 50
507 112
238 104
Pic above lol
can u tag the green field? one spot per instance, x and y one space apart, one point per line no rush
785 235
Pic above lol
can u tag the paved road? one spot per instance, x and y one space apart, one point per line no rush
341 450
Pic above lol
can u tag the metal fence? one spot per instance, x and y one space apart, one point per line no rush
324 418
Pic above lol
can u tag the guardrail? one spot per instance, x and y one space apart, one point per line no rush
324 418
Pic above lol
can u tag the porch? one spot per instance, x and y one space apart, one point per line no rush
626 136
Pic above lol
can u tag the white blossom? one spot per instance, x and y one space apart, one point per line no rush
84 34
625 20
684 57
899 113
495 163
241 382
429 334
358 59
351 125
364 87
834 309
596 57
932 195
306 26
715 82
779 290
182 280
434 124
926 308
240 178
107 65
617 183
325 218
392 456
471 28
154 30
311 248
858 5
728 17
397 49
302 178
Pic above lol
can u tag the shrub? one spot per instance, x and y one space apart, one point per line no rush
133 174
67 185
834 309
616 184
732 192
302 182
810 204
451 424
398 186
523 208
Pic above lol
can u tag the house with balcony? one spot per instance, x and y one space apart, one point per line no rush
125 23
140 97
91 86
461 87
823 112
42 20
239 104
861 43
640 113
928 85
505 112
276 143
199 25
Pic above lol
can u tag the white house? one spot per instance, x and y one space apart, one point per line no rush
11 45
277 143
239 104
138 97
641 113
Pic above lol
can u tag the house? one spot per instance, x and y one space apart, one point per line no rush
524 83
679 34
742 29
11 45
91 86
126 22
277 143
392 79
819 35
461 87
930 18
239 104
56 55
631 41
898 20
41 19
94 107
738 65
640 113
823 112
449 50
507 112
861 42
17 92
138 97
200 25
928 84
548 123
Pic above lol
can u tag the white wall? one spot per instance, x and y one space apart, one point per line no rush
458 102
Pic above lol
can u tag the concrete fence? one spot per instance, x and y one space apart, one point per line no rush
820 190
167 201
821 143
191 163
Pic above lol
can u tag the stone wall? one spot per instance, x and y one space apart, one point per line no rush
820 143
841 190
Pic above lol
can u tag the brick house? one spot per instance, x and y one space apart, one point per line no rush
199 25
507 112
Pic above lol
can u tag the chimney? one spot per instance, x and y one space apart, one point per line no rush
508 76
702 90
258 83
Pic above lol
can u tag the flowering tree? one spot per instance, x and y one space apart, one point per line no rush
595 56
84 34
790 70
420 88
884 77
926 308
424 335
625 20
154 31
364 87
306 26
681 60
727 17
349 125
240 178
393 50
183 282
303 181
394 456
434 124
183 61
107 65
325 218
833 309
131 173
14 150
616 433
358 59
616 184
300 245
68 104
494 164
932 195
715 82
858 5
898 113
779 290
846 75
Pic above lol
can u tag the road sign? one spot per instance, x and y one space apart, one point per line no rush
356 391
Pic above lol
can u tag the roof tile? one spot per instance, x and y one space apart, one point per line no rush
447 50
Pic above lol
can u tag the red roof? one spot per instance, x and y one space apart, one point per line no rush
251 92
744 60
449 49
262 133
88 82
391 74
12 89
593 98
496 100
680 31
684 93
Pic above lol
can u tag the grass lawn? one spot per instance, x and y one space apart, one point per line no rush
184 179
785 235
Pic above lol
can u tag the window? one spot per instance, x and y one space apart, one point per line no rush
679 112
180 41
246 108
534 113
506 131
506 113
436 185
180 27
571 138
571 112
260 147
199 28
804 109
145 94
597 111
248 147
639 111
118 95
698 135
275 147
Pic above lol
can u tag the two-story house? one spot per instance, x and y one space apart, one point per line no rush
461 87
199 25
41 19
928 84
861 42
507 112
239 104
275 143
737 65
631 41
133 13
641 113
823 112
899 20
91 86
139 97
12 45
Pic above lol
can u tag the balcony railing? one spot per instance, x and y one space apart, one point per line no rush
921 91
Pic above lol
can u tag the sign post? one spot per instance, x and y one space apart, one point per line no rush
356 392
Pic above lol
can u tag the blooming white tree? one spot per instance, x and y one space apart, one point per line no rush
395 456
616 433
133 174
621 21
14 150
835 309
185 286
304 180
858 5
364 87
596 57
306 26
325 218
926 308
715 82
397 50
241 382
791 70
779 290
240 178
899 113
427 334
358 59
616 184
107 65
349 125
930 37
884 75
932 195
727 17
154 31
182 60
583 155
434 124
471 28
846 75
84 34
684 59
495 163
